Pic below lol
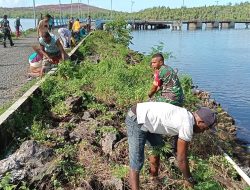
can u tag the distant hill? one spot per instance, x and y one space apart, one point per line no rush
77 8
67 7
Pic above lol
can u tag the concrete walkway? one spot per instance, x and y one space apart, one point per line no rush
14 67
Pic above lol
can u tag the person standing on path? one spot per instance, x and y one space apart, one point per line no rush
88 24
147 121
5 27
17 26
51 24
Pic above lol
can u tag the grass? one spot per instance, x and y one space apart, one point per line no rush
112 84
18 94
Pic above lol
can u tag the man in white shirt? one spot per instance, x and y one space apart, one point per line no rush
65 35
147 121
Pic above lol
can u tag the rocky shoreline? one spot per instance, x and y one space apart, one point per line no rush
34 161
226 130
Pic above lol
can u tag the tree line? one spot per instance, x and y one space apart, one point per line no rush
237 12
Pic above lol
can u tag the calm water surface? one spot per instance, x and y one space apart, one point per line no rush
217 60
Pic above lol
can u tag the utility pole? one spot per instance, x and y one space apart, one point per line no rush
34 11
71 11
111 9
60 11
78 9
216 13
88 7
132 3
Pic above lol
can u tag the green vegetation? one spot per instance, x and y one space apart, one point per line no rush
229 12
109 79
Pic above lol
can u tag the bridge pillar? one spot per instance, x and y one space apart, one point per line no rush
213 24
176 25
194 25
227 25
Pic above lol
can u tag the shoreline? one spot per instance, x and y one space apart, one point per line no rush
95 127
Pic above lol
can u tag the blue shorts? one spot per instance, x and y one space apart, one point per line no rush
137 139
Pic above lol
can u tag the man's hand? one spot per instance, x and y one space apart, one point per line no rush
50 60
188 185
190 182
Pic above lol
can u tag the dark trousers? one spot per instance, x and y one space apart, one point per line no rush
6 35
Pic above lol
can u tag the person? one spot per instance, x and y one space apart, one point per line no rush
70 23
147 122
35 61
166 85
76 29
52 50
88 24
51 23
17 26
65 35
43 26
5 27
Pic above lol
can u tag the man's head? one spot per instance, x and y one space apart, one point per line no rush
157 61
46 37
5 16
205 119
47 17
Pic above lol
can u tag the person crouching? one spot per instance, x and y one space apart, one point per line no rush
52 51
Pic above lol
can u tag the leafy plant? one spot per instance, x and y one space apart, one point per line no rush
38 131
190 100
118 29
120 171
5 183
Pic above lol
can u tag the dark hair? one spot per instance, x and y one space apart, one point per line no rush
158 55
46 34
5 16
48 16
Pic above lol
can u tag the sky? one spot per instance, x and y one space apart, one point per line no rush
122 5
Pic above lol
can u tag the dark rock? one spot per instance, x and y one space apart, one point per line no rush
224 135
26 162
86 116
247 171
74 104
114 182
84 130
108 142
75 119
220 126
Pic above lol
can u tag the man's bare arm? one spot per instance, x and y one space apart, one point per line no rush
182 147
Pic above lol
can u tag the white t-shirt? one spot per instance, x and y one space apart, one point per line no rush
64 32
166 119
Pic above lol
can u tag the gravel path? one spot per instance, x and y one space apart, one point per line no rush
14 67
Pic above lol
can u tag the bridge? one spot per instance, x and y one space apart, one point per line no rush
176 25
